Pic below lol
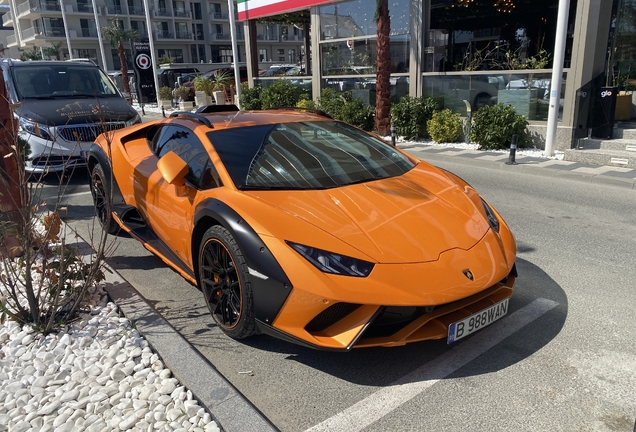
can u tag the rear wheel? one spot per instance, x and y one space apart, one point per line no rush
225 284
100 190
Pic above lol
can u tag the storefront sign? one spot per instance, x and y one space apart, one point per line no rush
143 69
250 9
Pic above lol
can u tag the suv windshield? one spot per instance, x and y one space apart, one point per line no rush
305 155
42 81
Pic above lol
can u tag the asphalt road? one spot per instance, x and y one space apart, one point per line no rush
563 359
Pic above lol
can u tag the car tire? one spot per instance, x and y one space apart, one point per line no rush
481 100
225 284
100 189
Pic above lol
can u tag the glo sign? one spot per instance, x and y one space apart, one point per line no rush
250 9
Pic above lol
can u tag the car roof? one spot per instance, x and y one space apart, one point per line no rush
51 63
236 119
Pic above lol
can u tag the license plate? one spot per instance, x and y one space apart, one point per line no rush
461 329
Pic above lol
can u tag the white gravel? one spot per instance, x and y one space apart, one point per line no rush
98 374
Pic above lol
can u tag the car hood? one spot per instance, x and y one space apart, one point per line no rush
73 111
407 219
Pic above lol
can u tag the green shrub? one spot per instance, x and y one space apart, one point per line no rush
445 126
493 126
251 97
306 103
281 93
203 84
181 93
344 107
165 93
410 115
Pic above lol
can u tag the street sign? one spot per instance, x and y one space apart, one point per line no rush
143 69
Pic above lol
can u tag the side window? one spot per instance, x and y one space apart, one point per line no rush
187 146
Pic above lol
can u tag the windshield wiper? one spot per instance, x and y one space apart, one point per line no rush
37 97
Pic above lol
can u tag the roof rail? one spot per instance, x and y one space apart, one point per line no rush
311 110
209 109
193 116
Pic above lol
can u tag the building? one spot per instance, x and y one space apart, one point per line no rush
186 31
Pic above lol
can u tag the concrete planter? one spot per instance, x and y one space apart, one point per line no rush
166 104
202 99
623 107
186 106
219 97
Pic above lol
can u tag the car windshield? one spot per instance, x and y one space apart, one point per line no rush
51 81
305 155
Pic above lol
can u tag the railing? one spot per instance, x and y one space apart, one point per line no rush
34 6
526 90
220 16
29 33
54 32
114 10
184 35
84 8
136 10
12 40
164 35
182 14
221 36
88 32
162 13
267 37
6 19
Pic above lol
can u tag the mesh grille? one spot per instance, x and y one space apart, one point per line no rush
330 316
87 132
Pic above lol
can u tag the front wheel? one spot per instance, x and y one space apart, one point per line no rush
100 190
224 281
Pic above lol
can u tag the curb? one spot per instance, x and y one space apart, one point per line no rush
228 407
527 165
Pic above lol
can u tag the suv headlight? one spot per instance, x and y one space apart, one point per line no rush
37 129
330 262
135 120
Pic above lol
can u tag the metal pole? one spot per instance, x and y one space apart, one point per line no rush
393 135
237 72
99 37
513 150
152 49
68 38
557 76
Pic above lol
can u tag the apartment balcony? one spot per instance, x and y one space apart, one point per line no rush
220 16
36 8
161 13
136 10
12 41
220 37
82 8
162 35
290 38
87 33
32 34
267 37
184 36
183 14
7 20
114 10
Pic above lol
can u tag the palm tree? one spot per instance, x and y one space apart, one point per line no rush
383 71
54 50
116 34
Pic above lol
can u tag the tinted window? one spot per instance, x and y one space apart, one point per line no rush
305 155
186 145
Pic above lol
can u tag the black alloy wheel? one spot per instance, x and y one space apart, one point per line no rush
224 281
101 197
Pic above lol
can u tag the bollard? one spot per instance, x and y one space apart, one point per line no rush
143 112
393 135
163 111
513 150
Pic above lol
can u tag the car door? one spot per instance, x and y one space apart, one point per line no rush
169 208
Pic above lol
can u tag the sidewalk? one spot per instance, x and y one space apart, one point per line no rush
614 176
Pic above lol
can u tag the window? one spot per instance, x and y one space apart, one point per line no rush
292 56
186 145
176 54
218 28
222 54
284 33
117 64
262 55
197 29
195 9
281 51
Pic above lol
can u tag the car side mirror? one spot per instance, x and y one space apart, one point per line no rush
173 169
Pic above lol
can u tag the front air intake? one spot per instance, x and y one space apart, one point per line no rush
330 316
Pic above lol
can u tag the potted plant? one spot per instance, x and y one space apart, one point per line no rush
223 83
203 88
181 94
165 97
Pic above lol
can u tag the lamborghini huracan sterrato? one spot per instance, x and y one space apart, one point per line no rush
302 227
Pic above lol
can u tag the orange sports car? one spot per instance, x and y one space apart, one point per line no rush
305 228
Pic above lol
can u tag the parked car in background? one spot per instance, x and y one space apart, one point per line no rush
61 108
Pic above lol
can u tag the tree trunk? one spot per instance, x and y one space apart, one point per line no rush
383 74
123 66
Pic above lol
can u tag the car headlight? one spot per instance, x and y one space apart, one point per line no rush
492 217
330 262
37 129
135 120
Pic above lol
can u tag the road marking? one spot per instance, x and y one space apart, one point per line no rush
382 402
